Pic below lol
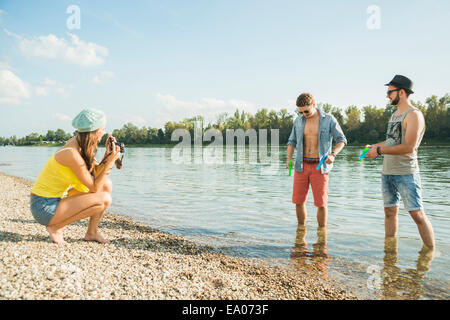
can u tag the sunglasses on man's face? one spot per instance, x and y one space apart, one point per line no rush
390 91
304 112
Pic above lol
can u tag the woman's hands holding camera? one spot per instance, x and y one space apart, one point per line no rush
112 149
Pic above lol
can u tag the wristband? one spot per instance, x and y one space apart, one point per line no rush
379 150
334 153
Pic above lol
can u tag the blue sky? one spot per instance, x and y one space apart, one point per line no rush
149 62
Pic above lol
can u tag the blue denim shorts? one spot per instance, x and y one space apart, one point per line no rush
43 209
409 187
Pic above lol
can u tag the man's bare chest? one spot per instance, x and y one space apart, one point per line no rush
311 129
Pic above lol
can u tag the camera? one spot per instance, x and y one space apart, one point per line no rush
122 150
120 144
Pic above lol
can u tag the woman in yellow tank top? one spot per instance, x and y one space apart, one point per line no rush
75 166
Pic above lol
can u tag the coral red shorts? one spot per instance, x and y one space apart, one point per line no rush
319 185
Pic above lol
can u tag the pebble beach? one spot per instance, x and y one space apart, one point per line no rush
138 263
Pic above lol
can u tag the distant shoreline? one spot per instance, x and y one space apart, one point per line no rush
204 145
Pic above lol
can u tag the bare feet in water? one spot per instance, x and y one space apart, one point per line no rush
56 235
95 237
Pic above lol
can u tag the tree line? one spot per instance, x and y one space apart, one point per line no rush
361 125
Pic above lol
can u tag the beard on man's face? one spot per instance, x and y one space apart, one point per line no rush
395 101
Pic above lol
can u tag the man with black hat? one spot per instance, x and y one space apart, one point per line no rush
400 166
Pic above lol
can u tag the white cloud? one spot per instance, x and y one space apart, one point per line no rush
96 80
62 92
13 89
102 77
135 119
12 34
49 82
126 118
108 74
214 103
73 51
62 117
243 105
174 109
51 85
5 65
173 104
41 91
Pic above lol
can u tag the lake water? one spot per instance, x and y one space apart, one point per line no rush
245 209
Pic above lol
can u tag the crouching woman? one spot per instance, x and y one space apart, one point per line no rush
75 166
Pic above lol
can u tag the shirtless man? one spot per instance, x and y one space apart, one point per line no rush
312 135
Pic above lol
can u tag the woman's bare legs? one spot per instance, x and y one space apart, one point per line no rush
56 230
75 208
92 233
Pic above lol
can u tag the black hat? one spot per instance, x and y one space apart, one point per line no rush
401 82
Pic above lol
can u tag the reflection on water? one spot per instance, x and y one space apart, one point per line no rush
392 282
315 259
407 284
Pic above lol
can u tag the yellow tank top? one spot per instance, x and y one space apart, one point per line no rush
55 179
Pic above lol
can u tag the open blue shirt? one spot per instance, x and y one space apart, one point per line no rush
329 129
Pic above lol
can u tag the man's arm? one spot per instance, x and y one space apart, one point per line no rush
290 152
338 136
292 144
375 145
338 147
415 123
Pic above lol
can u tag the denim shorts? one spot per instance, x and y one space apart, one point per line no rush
43 209
409 187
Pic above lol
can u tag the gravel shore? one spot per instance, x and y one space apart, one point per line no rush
138 263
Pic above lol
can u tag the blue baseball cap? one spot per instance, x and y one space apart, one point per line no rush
89 120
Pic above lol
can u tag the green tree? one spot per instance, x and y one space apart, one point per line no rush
286 122
262 119
60 135
436 116
389 111
374 123
169 127
419 105
325 107
436 111
337 113
50 136
131 133
236 121
142 135
161 136
32 138
152 135
353 120
352 124
119 134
